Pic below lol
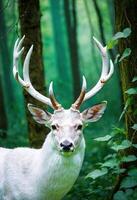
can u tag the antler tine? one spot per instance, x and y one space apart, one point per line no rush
55 104
107 71
16 54
26 83
80 99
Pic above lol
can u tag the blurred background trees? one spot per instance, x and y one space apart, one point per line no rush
62 31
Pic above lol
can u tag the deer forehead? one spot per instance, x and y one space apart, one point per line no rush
66 117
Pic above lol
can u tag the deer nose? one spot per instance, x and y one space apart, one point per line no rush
66 145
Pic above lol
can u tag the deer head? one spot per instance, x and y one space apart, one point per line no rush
66 124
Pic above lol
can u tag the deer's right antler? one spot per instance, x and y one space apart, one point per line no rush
25 82
107 71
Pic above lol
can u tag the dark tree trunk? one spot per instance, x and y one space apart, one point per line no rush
126 16
100 24
71 24
6 68
29 14
100 21
91 31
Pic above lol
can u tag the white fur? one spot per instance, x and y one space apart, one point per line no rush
44 174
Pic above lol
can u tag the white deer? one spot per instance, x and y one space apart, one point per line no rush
49 173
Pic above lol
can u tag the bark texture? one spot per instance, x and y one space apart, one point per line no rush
29 14
126 16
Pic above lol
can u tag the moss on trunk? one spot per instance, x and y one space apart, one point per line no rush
126 16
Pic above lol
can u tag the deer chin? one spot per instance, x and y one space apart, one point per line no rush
67 153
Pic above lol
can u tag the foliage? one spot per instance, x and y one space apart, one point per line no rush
124 34
102 161
102 176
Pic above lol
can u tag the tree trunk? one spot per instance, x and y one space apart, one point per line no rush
71 24
101 28
5 60
126 16
29 14
88 13
100 21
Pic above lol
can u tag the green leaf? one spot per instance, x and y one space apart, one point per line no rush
111 43
129 158
134 79
116 59
110 163
128 102
129 192
124 145
134 145
134 127
110 156
119 170
125 54
103 139
120 195
133 172
131 91
129 182
97 173
126 32
118 35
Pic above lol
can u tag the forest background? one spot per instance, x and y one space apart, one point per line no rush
65 32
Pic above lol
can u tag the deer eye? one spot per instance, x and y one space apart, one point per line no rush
79 127
54 127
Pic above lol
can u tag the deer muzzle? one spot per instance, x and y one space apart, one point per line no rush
67 146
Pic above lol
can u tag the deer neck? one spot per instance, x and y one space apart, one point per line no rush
58 169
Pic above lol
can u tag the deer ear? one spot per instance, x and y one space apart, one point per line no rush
94 113
39 115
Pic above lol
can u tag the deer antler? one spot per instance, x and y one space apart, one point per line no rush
80 99
25 82
107 71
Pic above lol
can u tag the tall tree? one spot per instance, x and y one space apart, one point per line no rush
5 60
111 11
100 24
91 30
59 39
29 14
126 16
71 24
100 21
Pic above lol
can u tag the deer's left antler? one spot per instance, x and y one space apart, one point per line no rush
25 82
